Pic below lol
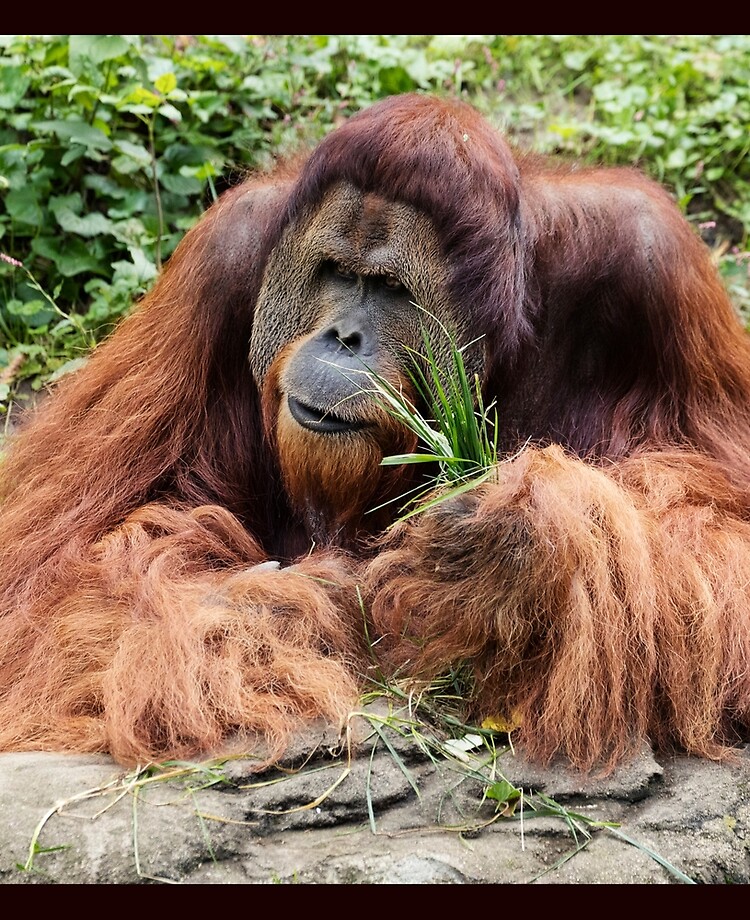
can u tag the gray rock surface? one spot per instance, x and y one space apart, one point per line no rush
390 814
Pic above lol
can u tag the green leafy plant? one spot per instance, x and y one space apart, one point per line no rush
459 434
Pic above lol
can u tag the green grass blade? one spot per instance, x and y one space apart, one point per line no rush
460 436
655 856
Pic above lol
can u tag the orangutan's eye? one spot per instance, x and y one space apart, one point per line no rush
346 274
392 283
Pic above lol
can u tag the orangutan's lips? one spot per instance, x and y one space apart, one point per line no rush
318 420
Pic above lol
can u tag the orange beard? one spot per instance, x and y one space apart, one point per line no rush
335 481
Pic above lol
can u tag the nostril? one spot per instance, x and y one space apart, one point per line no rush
352 341
339 339
350 334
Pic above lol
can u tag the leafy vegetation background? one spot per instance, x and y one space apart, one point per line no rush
111 146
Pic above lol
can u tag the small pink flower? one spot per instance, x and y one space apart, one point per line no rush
10 260
707 225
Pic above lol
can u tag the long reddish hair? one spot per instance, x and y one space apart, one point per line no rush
597 587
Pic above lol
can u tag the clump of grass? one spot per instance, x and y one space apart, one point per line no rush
459 434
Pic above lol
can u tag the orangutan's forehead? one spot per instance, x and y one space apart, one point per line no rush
371 234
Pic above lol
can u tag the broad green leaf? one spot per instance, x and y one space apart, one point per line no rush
73 153
23 206
181 185
13 85
677 158
83 97
503 791
72 202
33 313
205 171
72 256
139 272
97 48
396 80
76 132
90 225
141 96
130 231
137 108
166 83
24 307
136 152
170 112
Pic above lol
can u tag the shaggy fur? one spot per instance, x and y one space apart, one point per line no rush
597 587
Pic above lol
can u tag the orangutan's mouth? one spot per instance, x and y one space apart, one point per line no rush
324 422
